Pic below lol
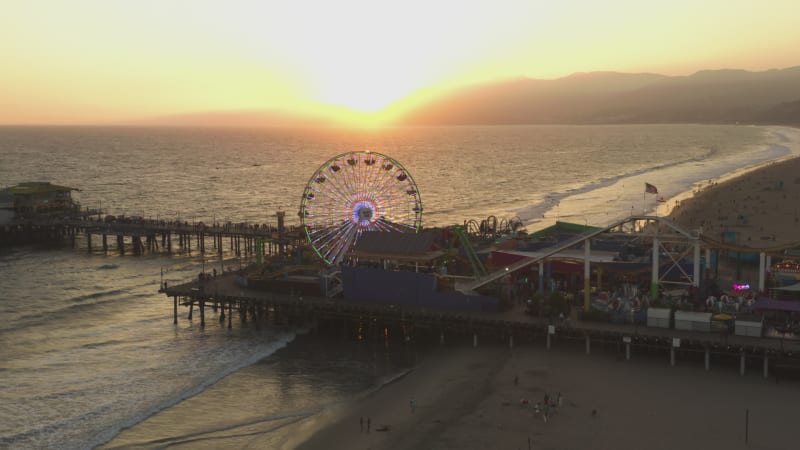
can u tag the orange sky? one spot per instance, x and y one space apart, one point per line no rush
101 61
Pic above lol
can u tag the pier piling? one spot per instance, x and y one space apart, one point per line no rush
741 363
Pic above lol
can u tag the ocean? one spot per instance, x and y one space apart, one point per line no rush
88 352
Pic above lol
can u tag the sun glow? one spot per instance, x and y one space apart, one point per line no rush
360 61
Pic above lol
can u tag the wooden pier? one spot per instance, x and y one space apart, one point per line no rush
225 296
142 236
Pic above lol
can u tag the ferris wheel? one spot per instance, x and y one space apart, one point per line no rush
356 192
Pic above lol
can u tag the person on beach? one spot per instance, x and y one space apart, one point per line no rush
369 422
413 404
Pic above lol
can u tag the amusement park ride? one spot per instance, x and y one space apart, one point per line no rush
362 192
353 193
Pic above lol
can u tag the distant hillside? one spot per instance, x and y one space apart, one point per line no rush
239 118
714 96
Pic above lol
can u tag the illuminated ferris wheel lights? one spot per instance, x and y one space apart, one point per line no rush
356 192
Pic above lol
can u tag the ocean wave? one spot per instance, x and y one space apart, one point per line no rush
208 434
108 434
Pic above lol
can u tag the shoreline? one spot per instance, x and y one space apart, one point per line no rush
761 207
639 403
700 186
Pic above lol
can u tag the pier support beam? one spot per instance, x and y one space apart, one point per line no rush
741 363
202 313
588 345
587 278
654 271
174 309
191 308
541 278
230 315
762 270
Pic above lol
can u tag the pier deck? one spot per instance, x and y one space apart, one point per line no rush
509 326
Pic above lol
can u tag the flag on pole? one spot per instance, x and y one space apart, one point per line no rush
650 189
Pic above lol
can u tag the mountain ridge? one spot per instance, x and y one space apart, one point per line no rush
708 96
603 97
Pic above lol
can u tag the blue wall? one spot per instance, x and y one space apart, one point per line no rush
364 284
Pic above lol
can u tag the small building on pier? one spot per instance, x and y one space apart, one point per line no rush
35 199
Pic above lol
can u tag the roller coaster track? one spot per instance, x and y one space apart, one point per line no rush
470 286
774 250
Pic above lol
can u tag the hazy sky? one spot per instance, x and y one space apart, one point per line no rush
84 61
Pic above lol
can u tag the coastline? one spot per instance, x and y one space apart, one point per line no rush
760 206
639 403
89 283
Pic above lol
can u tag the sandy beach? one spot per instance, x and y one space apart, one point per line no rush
762 207
467 398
